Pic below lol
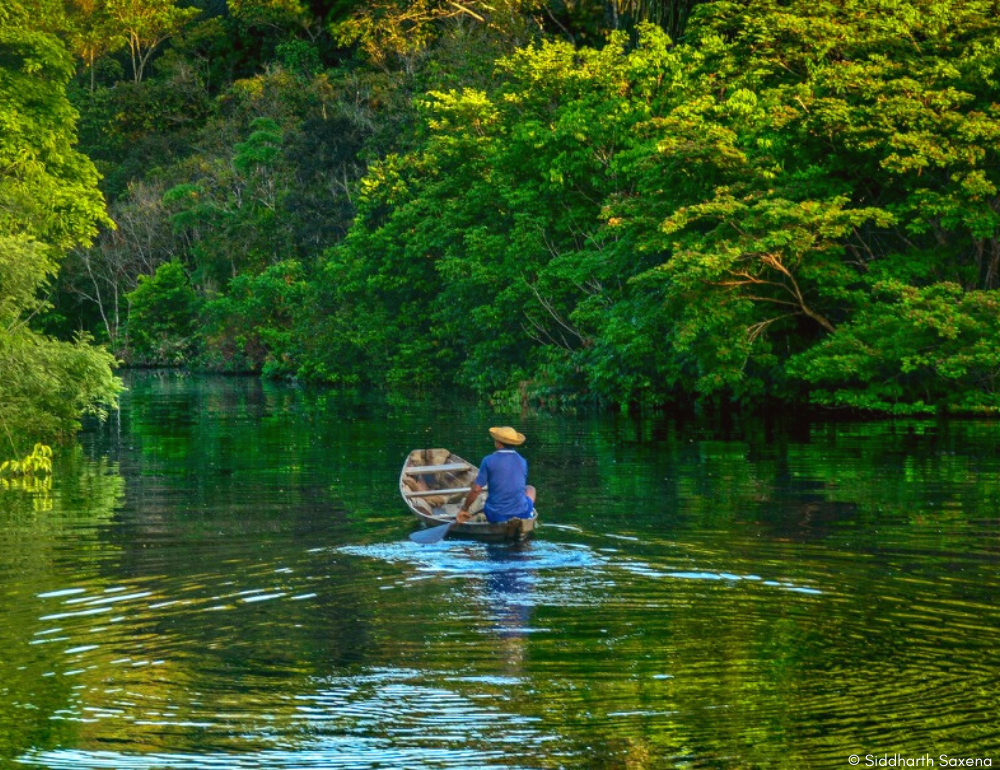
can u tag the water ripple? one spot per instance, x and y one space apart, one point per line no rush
332 753
468 558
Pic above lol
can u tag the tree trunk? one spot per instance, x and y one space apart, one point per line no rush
671 15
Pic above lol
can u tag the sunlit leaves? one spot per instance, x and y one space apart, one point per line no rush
757 185
145 25
48 189
389 30
37 463
831 148
49 202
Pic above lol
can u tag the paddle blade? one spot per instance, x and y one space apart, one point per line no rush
432 535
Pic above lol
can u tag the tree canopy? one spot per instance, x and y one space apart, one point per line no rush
49 202
662 203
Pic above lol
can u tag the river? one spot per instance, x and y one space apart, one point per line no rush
220 577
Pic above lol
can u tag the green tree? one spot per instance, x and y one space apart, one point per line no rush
482 256
397 31
255 325
912 350
829 152
49 202
92 33
163 310
145 25
230 218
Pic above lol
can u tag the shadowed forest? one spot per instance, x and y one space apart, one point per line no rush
758 203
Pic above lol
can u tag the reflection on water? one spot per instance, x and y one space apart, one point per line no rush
334 723
222 578
469 558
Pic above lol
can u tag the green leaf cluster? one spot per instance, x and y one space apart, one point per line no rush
912 350
38 463
49 202
161 321
254 325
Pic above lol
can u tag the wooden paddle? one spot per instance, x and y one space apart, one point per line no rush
432 535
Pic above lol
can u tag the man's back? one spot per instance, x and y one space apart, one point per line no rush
505 473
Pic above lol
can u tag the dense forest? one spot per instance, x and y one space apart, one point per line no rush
721 203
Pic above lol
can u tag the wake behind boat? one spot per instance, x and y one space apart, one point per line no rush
434 482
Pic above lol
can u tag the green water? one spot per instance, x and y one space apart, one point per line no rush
220 577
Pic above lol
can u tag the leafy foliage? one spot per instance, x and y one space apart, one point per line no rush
912 350
38 463
622 202
49 202
163 310
843 150
758 185
252 327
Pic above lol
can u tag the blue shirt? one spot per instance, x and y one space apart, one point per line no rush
505 472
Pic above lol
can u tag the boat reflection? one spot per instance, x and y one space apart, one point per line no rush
508 589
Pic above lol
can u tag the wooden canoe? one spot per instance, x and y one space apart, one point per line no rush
434 482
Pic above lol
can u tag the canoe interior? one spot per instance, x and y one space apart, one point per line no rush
434 482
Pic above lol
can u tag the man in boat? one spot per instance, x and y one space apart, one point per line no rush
505 473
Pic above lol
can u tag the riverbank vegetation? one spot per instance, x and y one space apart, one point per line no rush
716 203
49 203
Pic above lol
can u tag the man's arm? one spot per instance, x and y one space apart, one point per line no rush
463 513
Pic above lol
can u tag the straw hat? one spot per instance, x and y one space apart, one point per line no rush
507 435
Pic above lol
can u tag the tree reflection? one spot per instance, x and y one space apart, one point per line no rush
706 596
508 584
36 524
